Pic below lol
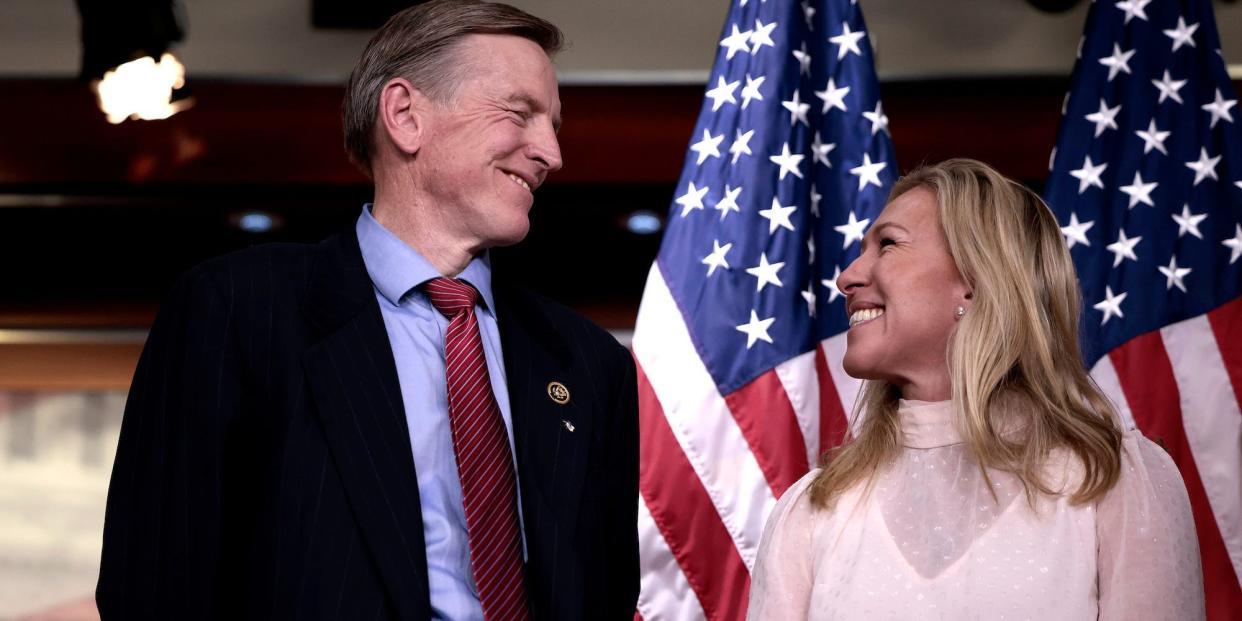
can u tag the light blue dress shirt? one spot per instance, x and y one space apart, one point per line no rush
416 332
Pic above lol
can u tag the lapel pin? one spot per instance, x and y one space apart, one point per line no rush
568 425
558 393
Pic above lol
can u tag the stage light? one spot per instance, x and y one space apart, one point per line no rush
126 58
644 222
142 89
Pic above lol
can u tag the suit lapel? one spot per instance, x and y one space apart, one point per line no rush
552 439
357 395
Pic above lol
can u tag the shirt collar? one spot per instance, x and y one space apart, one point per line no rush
395 268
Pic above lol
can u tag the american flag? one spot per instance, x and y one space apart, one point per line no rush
1147 182
741 330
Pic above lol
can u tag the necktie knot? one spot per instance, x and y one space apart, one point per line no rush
451 296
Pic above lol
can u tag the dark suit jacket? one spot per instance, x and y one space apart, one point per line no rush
264 468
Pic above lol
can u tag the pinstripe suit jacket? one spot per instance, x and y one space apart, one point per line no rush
264 467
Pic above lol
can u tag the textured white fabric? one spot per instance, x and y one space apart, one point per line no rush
930 542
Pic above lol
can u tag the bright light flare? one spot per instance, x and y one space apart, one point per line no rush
142 89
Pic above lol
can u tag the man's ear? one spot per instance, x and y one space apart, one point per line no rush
401 114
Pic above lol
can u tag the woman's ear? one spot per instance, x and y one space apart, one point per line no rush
401 115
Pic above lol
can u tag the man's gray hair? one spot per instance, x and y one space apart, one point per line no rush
418 44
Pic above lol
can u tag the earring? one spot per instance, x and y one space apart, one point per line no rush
960 312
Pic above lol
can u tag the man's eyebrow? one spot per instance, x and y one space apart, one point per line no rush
534 105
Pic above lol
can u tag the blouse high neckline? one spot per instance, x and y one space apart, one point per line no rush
927 424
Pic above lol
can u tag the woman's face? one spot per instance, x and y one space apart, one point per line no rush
902 295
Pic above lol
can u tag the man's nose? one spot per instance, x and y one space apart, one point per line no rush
546 149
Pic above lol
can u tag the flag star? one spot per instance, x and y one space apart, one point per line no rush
1110 305
1089 175
1138 191
1065 103
804 60
729 202
820 150
709 146
1183 34
879 120
756 330
788 162
1123 248
1076 232
778 216
717 257
810 251
847 41
1153 138
751 90
815 197
739 41
1104 118
692 199
809 296
868 172
1052 158
761 36
1169 88
1188 222
1134 8
741 144
1219 109
809 12
1205 167
1173 275
831 285
723 93
852 230
1078 52
766 272
1119 61
833 97
797 109
1234 244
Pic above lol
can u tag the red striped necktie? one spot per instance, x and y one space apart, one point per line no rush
484 461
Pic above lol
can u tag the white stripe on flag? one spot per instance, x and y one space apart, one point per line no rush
1212 421
700 418
847 387
801 383
1105 376
665 594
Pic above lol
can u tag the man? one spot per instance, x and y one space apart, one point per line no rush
370 428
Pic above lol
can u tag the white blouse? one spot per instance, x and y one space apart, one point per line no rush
929 541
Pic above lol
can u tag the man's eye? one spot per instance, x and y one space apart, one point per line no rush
887 241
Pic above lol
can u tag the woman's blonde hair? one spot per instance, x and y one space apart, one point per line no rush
1017 346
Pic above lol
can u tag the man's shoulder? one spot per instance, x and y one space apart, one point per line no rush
560 320
263 270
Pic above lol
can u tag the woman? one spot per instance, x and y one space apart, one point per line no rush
989 478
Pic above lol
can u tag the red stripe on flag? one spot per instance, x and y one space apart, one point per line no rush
1226 323
685 515
834 426
1146 377
770 425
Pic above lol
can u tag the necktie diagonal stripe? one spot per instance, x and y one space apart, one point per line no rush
484 460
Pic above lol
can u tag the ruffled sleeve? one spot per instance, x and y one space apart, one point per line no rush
1149 564
780 586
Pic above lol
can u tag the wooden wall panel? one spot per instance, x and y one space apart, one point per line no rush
289 134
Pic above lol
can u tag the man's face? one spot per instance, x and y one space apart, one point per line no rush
493 143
